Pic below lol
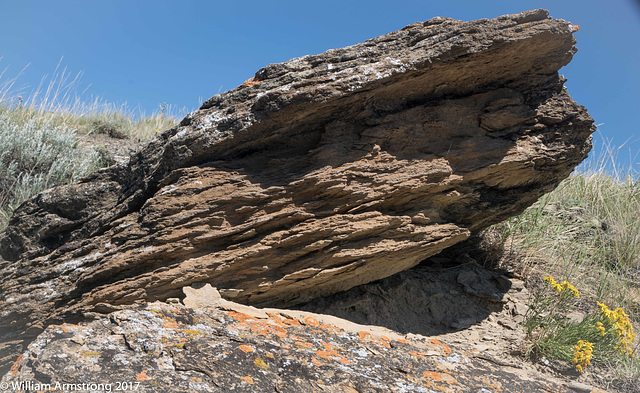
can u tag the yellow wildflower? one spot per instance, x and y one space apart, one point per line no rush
620 322
566 285
600 327
583 354
553 283
605 312
562 286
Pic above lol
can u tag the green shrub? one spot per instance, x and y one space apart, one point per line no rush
37 155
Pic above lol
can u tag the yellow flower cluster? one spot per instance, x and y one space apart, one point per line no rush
622 325
563 286
600 327
583 354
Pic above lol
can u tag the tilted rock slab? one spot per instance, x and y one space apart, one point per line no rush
317 175
232 348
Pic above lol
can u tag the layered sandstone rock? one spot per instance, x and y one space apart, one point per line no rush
317 175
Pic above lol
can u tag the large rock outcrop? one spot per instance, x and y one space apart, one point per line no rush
317 175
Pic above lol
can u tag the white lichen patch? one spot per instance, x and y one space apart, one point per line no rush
122 359
360 353
76 263
167 190
180 134
406 387
165 363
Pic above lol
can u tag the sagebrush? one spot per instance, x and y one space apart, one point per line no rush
40 133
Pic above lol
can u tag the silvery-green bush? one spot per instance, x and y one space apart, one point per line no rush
36 155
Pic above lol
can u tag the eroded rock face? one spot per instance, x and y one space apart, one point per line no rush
317 175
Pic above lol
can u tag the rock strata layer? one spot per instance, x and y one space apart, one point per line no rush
317 175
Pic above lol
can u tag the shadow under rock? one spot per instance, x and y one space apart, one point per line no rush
444 294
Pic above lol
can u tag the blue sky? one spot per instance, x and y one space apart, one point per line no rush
146 52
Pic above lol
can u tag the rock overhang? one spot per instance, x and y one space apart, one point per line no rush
317 175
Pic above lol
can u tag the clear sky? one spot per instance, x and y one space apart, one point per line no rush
146 53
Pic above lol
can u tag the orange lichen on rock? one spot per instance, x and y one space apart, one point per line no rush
328 346
250 82
304 344
280 333
142 376
403 341
239 316
274 326
65 327
292 322
170 323
325 354
330 328
440 377
446 348
275 317
265 329
311 321
367 337
15 367
248 380
283 321
363 335
385 342
330 353
245 348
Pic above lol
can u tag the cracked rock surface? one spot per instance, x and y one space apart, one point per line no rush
317 175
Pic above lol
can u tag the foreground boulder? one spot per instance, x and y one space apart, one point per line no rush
317 175
218 346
